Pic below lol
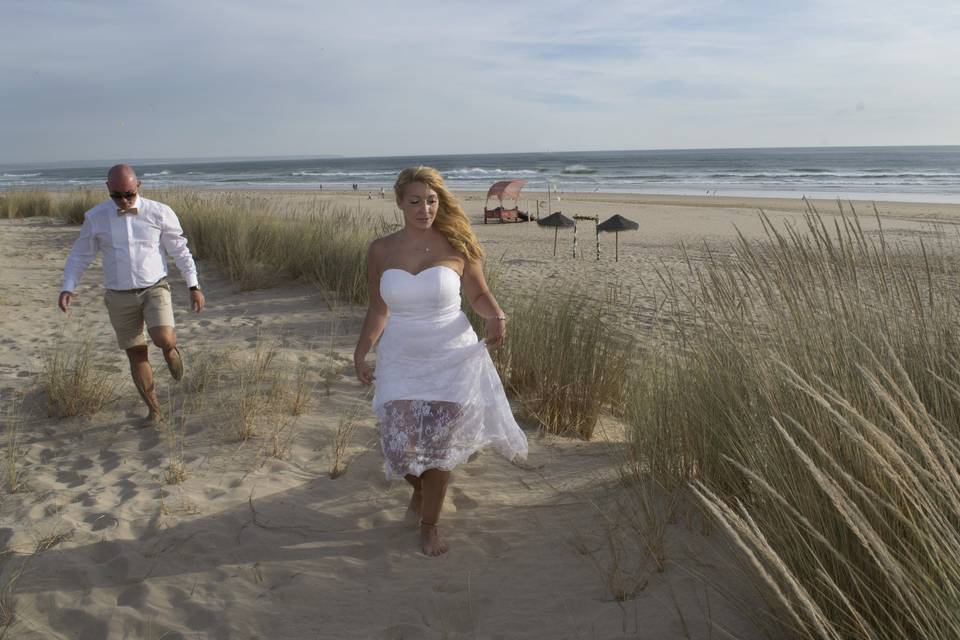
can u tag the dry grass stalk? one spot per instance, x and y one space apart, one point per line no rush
205 371
13 425
72 384
281 438
8 602
346 427
51 540
176 470
259 391
301 391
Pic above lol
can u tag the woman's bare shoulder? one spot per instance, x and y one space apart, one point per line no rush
382 244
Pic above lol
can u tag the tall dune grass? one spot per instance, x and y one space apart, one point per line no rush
68 206
564 360
71 206
260 243
811 398
25 204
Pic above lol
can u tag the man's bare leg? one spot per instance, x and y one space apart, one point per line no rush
165 338
434 489
143 380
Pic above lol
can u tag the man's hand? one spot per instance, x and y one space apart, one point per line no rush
64 302
197 300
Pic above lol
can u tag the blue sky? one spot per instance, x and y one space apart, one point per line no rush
81 79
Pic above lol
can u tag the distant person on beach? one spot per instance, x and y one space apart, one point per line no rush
382 193
133 234
437 394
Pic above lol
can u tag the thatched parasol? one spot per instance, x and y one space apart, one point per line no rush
617 223
556 220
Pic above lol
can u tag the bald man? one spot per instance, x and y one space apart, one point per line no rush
133 234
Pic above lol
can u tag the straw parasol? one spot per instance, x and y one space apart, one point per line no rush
556 220
617 223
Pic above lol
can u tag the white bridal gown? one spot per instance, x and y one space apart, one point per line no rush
438 396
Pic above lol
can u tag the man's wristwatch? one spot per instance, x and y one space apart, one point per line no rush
195 287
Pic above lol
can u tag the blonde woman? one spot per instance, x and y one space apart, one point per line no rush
437 394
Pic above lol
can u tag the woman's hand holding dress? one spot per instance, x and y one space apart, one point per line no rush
495 332
364 370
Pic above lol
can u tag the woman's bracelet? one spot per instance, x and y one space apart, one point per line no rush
499 317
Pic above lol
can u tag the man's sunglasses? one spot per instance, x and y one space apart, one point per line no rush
116 195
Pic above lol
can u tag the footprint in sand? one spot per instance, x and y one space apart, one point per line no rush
100 521
152 460
47 455
128 489
134 597
109 460
193 615
461 500
85 499
149 438
75 623
82 464
106 550
70 478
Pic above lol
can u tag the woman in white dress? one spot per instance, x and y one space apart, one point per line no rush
437 394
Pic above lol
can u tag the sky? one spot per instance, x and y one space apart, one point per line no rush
100 80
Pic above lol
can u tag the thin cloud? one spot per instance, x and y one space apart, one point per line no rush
180 79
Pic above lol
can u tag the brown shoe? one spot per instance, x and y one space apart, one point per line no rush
175 363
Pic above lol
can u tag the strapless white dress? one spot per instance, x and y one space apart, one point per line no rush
438 396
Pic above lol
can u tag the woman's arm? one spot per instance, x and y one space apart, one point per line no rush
482 301
376 316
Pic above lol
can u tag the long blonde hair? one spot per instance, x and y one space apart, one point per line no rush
451 220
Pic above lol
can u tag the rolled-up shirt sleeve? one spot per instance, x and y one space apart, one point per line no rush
81 255
175 244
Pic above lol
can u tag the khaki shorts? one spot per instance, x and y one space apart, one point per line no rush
130 309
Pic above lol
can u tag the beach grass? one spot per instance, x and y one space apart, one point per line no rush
565 361
809 398
68 206
25 204
72 383
260 243
71 206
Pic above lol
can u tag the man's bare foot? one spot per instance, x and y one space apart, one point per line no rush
153 418
430 540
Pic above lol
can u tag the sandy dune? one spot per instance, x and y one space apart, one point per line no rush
251 546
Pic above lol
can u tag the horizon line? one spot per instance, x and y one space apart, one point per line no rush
330 156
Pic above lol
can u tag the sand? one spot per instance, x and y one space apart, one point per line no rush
251 546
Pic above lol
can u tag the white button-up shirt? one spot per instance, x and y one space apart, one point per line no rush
133 246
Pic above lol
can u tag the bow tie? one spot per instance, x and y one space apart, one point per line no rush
132 211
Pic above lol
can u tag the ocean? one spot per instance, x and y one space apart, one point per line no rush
921 174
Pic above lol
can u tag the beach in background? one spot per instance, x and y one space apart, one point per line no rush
906 174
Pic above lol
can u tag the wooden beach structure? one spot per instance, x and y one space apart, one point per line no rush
501 195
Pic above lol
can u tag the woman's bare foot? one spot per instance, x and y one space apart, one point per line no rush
430 540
